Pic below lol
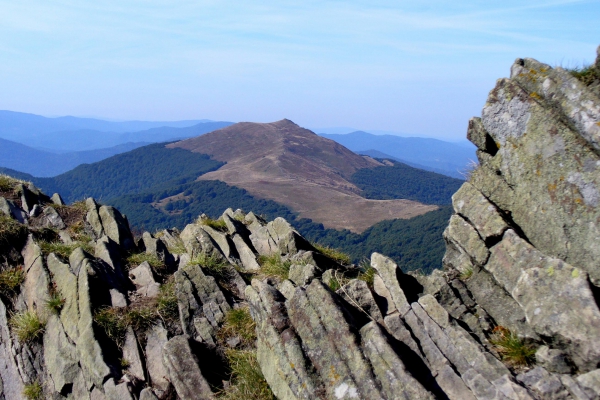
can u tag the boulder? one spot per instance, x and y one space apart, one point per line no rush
156 339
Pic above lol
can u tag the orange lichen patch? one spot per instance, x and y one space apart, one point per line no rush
535 95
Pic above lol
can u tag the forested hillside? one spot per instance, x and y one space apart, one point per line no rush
130 172
416 243
401 181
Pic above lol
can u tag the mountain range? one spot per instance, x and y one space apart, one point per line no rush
451 159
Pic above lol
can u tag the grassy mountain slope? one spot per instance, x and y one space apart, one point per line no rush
401 181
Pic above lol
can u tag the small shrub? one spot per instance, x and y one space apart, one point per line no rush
10 280
133 260
513 350
27 326
247 380
273 265
124 363
33 391
334 254
239 322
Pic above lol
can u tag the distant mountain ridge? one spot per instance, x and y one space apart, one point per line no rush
443 157
65 134
283 162
42 164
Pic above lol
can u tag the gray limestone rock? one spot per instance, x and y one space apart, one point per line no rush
156 339
389 272
147 394
544 384
590 383
388 368
133 356
330 344
116 227
247 256
56 199
60 355
358 294
302 274
553 360
51 219
183 370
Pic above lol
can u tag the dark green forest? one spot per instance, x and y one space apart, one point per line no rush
401 181
136 180
131 172
416 244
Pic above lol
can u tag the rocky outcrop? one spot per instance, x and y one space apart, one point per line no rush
246 308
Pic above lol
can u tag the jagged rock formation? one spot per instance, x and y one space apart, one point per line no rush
242 308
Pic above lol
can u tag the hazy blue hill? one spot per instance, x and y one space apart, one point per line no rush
379 154
65 134
448 158
14 123
85 139
402 181
40 163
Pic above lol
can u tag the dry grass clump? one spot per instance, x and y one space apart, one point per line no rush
334 254
466 274
274 266
166 302
10 281
133 260
114 321
216 224
12 233
26 325
56 302
512 349
238 322
247 380
213 264
63 250
367 273
33 391
588 74
8 183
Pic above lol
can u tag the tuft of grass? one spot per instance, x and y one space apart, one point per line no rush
63 250
587 74
166 302
133 260
33 391
274 265
247 380
513 350
8 183
238 322
212 263
124 363
466 274
27 326
56 302
114 321
334 284
367 273
217 224
11 232
10 280
334 254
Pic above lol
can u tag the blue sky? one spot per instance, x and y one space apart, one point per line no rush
421 68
